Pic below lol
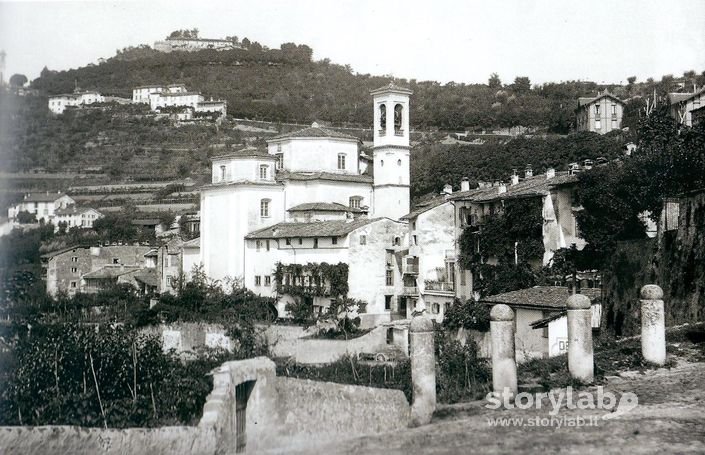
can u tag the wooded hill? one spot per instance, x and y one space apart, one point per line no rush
285 85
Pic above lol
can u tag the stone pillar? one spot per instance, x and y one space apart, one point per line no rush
580 354
504 366
423 370
653 325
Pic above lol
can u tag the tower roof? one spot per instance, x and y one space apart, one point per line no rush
391 87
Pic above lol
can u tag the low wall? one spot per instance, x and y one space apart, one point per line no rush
281 413
321 411
49 440
190 336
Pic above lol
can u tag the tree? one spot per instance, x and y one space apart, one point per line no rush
522 85
24 217
494 82
631 80
18 80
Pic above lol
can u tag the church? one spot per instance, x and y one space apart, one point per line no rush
313 200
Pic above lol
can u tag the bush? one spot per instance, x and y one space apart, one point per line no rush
471 315
460 374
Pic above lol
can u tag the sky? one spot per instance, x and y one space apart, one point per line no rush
444 40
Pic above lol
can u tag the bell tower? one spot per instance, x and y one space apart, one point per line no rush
391 151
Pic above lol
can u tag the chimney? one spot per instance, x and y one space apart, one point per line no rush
515 178
528 172
502 188
447 188
587 164
550 173
465 184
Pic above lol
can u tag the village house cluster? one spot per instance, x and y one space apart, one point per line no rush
313 200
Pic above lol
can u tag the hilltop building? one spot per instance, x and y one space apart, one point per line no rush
306 199
683 105
600 114
194 44
72 216
59 103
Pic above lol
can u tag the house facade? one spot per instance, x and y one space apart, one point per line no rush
176 95
59 103
89 269
254 190
72 216
682 106
600 114
42 205
194 44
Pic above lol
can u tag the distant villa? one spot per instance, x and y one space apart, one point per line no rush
194 44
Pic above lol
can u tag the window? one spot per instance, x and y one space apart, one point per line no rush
334 240
267 280
597 110
355 202
387 302
74 259
280 161
341 161
169 280
73 285
258 245
396 241
222 173
382 118
381 163
614 109
390 335
263 171
264 208
301 241
435 308
598 125
116 261
363 240
398 162
266 243
279 148
74 270
389 277
397 119
258 280
288 241
315 242
389 258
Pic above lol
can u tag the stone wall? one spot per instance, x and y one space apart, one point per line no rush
190 336
675 261
323 411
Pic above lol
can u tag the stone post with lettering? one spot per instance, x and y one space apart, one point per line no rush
423 370
580 350
653 325
504 367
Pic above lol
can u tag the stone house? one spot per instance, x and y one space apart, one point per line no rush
600 114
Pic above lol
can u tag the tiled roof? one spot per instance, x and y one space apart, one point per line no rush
392 86
425 206
539 297
584 100
316 132
313 229
537 185
288 175
323 207
110 271
245 152
51 254
73 210
178 93
148 276
194 243
676 98
43 197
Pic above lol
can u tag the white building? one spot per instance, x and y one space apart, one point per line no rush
82 217
176 95
262 196
194 44
59 103
142 93
42 205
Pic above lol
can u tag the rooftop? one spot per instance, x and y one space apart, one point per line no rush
391 87
585 100
313 229
323 207
110 271
537 185
73 210
44 197
675 98
543 297
193 243
245 152
305 176
314 131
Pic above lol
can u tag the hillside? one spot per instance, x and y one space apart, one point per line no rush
286 85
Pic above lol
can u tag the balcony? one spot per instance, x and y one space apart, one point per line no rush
440 286
411 290
399 133
381 133
410 266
